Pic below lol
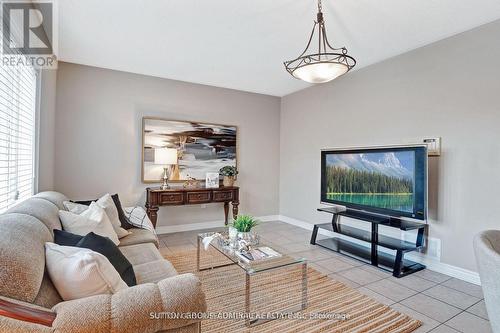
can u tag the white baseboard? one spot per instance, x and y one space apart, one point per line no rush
431 262
168 229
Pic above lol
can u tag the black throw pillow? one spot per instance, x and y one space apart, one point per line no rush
107 248
121 213
65 238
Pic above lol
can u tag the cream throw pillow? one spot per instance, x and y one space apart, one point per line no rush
109 206
93 219
107 203
75 207
78 272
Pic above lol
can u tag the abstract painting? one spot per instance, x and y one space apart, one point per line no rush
201 148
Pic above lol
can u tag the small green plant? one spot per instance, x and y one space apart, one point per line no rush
245 223
228 171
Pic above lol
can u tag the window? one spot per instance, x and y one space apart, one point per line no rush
18 96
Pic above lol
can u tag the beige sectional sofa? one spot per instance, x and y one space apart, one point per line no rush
25 228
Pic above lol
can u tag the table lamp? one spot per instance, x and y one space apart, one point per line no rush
166 157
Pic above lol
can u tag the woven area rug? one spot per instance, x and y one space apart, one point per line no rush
346 309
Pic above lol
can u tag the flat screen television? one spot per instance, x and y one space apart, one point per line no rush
384 180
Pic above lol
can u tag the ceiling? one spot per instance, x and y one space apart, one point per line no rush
242 44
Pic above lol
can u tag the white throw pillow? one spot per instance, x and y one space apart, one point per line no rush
78 272
74 207
94 219
109 206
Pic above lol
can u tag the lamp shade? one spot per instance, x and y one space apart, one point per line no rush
166 156
320 72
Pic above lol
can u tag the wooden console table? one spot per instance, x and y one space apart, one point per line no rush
175 196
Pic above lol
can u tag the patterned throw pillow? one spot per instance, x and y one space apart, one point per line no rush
138 218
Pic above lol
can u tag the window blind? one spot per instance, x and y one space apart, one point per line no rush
18 90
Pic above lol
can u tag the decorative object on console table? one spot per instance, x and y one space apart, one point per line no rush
229 173
179 196
168 158
212 180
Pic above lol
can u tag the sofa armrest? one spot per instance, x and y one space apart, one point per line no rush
21 317
141 308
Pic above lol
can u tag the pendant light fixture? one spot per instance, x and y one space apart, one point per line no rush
324 65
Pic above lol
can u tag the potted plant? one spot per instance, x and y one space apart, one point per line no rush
242 226
229 173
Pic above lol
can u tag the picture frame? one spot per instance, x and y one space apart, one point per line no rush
212 180
203 147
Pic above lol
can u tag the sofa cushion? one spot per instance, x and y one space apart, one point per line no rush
107 248
141 253
43 210
22 255
139 236
48 296
154 271
55 197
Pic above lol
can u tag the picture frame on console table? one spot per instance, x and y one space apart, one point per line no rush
202 148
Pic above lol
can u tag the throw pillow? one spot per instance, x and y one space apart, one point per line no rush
75 207
107 203
121 214
93 219
107 248
139 219
109 206
65 238
78 273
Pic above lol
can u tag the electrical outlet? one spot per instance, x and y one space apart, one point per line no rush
433 146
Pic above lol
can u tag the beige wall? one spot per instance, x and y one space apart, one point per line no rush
98 136
448 89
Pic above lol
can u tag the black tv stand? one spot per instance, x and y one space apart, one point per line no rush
396 263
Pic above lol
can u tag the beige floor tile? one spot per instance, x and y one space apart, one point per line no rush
452 296
315 255
360 276
431 307
469 323
351 261
414 282
296 247
444 329
432 276
344 280
427 323
479 309
377 271
392 290
376 296
319 268
334 265
465 287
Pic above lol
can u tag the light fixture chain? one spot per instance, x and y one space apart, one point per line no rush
320 6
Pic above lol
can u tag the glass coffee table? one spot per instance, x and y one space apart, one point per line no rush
254 268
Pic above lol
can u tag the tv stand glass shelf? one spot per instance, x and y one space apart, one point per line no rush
371 254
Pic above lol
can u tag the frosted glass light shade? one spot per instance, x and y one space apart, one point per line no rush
320 72
166 156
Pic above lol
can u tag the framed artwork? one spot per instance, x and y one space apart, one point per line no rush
201 148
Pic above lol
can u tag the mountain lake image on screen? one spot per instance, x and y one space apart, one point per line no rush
384 180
